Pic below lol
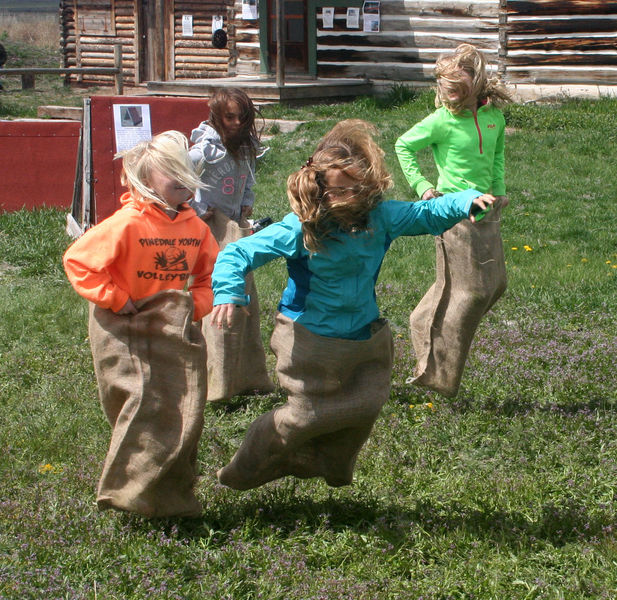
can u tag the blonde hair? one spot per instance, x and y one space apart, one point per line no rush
469 59
167 153
349 147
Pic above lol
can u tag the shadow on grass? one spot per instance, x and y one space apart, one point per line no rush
556 525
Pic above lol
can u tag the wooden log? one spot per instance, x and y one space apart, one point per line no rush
412 25
199 45
563 75
60 112
452 8
210 60
561 7
563 25
536 59
418 40
394 72
578 44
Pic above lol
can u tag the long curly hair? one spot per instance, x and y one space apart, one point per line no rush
349 147
167 153
469 59
246 139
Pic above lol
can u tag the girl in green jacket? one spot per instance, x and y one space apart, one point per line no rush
466 135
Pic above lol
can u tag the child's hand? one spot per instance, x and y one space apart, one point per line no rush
223 314
479 204
247 211
432 193
128 309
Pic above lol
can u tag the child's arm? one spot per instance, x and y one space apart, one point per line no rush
498 182
201 287
432 216
248 196
279 240
201 155
420 136
86 265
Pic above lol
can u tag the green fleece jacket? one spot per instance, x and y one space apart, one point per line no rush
468 150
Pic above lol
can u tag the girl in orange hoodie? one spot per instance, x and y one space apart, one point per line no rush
147 272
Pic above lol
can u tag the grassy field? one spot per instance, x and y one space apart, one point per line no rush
29 6
505 492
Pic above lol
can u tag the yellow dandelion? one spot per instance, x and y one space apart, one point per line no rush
584 260
429 405
528 248
613 266
608 262
49 468
568 265
514 248
411 406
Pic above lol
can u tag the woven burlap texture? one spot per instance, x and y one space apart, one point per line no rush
335 388
470 277
152 386
236 356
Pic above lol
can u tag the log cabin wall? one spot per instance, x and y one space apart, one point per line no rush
246 52
89 31
91 28
195 57
563 42
538 42
412 35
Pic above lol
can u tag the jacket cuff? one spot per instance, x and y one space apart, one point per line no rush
240 299
422 186
120 299
499 189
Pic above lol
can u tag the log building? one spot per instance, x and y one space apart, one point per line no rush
560 42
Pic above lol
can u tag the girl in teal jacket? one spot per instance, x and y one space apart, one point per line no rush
334 354
466 135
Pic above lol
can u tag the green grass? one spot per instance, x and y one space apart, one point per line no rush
505 492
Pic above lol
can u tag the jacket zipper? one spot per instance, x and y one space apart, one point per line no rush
475 118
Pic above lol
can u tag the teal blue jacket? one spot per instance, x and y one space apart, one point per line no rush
332 292
468 151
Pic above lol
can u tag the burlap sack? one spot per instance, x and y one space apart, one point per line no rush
470 278
336 389
236 356
152 387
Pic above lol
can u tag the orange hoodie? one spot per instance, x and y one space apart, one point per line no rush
139 251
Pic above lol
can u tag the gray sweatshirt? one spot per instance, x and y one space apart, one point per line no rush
226 182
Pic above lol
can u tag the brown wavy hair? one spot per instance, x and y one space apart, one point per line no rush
469 59
247 138
350 147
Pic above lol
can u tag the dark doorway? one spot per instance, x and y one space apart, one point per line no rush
152 47
295 40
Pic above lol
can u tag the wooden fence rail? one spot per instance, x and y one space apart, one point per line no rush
28 73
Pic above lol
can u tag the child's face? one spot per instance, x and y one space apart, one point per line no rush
459 89
340 185
232 117
170 190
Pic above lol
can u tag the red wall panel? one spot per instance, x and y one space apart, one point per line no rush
183 114
37 163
